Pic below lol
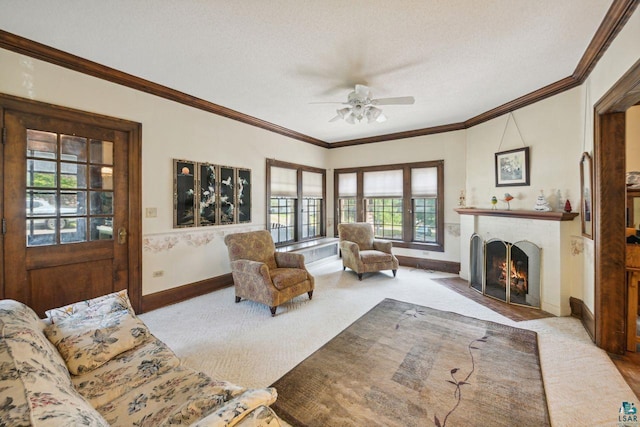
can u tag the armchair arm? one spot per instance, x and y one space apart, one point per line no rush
382 245
290 260
352 247
251 267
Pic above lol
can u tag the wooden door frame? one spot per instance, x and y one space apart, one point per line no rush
610 199
134 144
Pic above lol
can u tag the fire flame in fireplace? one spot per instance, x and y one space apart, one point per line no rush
518 277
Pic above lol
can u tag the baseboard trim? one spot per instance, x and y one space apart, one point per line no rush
185 292
582 312
429 264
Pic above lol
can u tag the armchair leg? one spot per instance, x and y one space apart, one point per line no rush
310 293
394 272
273 310
359 276
238 299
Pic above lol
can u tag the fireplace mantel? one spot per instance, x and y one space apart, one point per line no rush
545 216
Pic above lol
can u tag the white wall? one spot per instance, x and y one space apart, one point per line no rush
169 130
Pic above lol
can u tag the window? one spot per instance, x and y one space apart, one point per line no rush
69 194
347 190
382 192
403 202
296 202
312 189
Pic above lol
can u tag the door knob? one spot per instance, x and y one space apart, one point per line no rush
122 235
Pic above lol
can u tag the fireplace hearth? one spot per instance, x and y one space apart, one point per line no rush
509 272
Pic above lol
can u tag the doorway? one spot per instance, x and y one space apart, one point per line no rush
611 296
71 205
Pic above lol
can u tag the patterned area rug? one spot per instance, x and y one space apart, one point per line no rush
402 364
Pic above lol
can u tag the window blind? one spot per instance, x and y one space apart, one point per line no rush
311 185
347 185
383 183
284 182
424 182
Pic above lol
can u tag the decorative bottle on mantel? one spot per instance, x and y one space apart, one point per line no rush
541 203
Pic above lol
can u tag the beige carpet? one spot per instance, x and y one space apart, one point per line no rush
403 365
242 343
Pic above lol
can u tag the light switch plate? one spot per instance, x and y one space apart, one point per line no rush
151 212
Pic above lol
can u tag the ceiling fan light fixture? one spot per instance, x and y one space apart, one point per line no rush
350 119
343 112
373 114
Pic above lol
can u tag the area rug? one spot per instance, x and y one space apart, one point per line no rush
402 364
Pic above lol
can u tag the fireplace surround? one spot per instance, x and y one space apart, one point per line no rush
550 231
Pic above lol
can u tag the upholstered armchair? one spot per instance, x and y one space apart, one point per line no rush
362 253
263 275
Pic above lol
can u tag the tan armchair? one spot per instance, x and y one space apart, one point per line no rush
362 253
263 275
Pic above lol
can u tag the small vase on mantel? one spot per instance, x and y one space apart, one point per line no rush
541 203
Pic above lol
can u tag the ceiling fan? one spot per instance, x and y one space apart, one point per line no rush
361 105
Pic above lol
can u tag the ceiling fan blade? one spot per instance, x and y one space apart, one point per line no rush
328 102
335 119
400 100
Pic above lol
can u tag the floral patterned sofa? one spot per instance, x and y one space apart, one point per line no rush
95 363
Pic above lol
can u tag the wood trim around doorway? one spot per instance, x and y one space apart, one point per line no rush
134 144
609 202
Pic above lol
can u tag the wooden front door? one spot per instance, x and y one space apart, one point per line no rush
68 209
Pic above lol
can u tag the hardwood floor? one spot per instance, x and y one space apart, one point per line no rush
517 313
628 364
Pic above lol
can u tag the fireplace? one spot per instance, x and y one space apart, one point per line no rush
509 272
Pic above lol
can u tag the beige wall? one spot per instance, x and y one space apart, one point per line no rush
169 130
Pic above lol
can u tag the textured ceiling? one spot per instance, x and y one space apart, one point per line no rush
273 59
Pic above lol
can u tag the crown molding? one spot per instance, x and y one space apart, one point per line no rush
614 20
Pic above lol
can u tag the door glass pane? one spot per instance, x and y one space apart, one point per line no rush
73 229
102 228
101 203
101 152
42 144
41 173
41 203
73 148
73 175
101 177
39 233
73 203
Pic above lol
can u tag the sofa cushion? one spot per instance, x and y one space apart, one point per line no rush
98 306
283 278
35 389
86 343
182 396
131 369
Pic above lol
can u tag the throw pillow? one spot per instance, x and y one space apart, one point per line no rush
85 343
94 307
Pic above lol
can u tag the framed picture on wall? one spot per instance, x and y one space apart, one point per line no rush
512 167
207 208
184 201
244 195
227 195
